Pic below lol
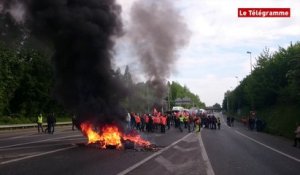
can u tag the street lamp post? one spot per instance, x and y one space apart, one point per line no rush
248 52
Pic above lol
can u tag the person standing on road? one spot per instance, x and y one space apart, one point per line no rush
132 121
150 123
73 121
40 122
51 120
181 120
163 123
232 121
214 121
297 136
219 122
198 123
169 120
137 121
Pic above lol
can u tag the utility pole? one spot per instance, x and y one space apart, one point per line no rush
169 98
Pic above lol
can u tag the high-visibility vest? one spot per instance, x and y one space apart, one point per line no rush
163 120
181 118
40 118
186 118
156 120
137 119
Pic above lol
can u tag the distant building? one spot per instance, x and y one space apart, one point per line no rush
183 101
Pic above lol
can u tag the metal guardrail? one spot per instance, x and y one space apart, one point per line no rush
31 125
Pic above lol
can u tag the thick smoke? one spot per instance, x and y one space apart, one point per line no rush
14 8
157 32
81 33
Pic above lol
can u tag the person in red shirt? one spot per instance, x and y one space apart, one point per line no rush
137 121
163 124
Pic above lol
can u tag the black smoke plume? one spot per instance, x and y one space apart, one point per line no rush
157 32
81 33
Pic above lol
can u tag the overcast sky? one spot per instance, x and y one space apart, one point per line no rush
216 58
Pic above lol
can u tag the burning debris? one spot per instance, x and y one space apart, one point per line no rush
81 35
110 137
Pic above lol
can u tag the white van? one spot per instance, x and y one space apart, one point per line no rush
177 108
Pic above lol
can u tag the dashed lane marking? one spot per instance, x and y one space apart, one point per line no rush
36 155
209 169
273 149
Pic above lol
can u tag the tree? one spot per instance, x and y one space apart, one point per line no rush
178 91
11 70
274 80
26 78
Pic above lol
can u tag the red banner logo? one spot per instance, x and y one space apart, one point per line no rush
264 12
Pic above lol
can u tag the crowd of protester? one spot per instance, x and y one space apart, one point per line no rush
182 120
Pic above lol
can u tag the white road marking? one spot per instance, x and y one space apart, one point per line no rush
273 149
185 149
32 134
39 141
150 157
23 136
36 146
19 137
36 155
209 169
171 168
166 163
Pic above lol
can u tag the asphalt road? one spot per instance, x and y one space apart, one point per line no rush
237 150
227 151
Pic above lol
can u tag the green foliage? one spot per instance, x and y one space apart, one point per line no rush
272 89
142 95
5 120
26 79
281 119
11 70
33 94
178 91
217 106
274 80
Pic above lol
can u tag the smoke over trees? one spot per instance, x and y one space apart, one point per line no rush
80 36
157 32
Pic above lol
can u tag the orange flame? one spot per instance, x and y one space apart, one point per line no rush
110 135
92 136
137 139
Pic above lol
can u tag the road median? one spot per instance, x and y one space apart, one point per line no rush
29 125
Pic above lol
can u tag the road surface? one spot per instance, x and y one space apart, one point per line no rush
230 150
